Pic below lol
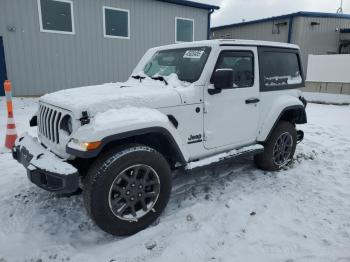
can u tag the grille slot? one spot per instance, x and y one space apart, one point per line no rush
49 119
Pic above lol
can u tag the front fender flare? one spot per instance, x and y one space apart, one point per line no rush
105 141
118 124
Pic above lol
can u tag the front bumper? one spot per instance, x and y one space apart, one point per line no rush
44 168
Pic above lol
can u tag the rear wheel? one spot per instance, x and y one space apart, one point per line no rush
127 189
279 148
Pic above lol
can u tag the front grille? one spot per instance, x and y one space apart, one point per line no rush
48 122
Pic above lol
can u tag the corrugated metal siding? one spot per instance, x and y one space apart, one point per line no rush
39 62
319 39
259 31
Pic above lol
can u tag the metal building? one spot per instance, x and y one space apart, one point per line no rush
50 45
315 33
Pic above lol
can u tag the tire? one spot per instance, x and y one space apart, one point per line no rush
127 168
271 159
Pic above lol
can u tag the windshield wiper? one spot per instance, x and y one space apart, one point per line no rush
138 77
160 78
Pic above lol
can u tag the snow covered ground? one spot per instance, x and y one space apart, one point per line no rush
231 212
325 98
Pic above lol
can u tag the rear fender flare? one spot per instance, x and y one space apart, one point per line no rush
277 115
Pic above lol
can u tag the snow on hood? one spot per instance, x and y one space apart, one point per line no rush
100 98
126 117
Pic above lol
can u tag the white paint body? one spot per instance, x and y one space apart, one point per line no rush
225 122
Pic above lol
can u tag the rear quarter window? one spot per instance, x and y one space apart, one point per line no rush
280 69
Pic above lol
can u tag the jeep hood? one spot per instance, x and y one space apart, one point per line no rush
101 98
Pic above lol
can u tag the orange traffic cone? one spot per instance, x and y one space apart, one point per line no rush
11 133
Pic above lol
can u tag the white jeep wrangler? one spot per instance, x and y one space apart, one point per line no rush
184 106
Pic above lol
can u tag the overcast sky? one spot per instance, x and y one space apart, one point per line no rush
233 11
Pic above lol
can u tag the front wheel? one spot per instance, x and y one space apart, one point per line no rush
279 148
127 189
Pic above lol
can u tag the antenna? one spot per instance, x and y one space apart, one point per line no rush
340 9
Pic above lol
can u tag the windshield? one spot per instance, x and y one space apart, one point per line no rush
186 63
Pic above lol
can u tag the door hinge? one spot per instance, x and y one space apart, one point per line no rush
205 136
205 107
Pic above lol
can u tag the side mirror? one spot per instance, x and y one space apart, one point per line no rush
222 79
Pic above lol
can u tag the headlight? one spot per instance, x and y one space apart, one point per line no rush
33 121
67 124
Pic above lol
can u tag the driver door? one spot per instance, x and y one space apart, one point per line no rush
232 114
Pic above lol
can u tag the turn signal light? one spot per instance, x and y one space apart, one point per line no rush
91 145
83 146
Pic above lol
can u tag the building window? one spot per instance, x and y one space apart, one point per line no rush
116 23
56 16
184 30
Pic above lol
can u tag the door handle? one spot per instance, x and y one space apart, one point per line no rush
252 101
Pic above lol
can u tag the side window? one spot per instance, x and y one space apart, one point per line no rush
280 69
242 64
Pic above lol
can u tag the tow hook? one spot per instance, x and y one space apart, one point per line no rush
300 136
84 120
303 100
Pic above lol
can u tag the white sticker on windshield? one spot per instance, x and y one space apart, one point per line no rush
196 54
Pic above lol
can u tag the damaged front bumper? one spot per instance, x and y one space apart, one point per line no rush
44 168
